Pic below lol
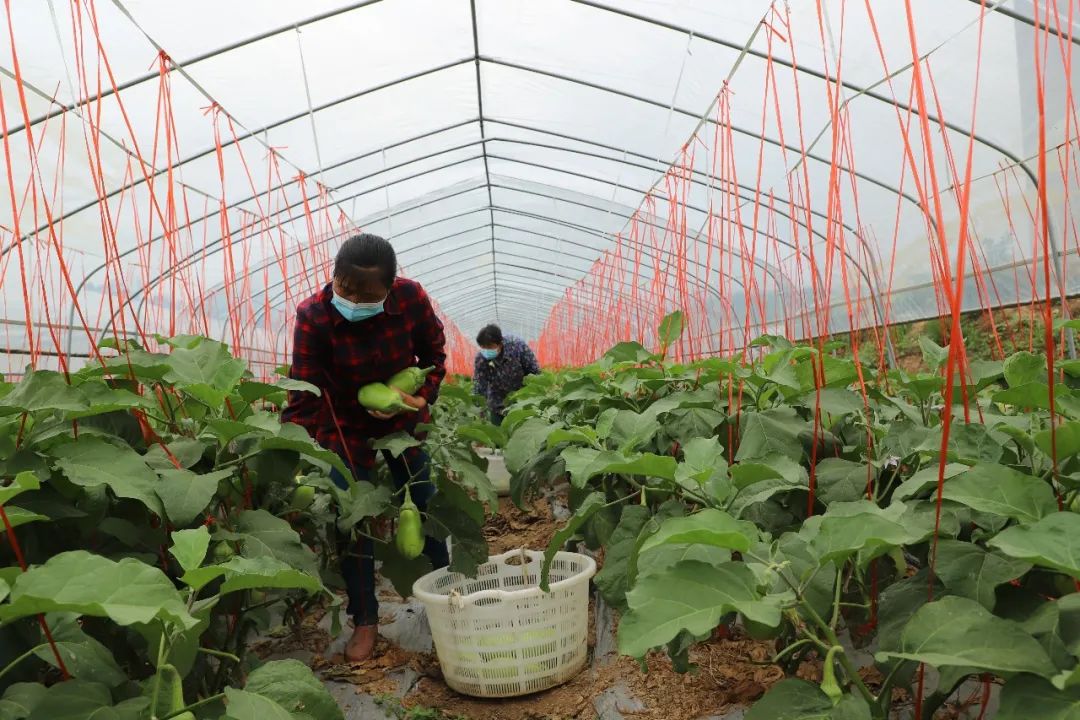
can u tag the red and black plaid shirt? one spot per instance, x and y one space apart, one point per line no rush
340 357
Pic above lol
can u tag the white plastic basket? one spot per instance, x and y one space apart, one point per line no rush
499 635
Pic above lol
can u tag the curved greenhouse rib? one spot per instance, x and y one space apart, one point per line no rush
273 303
240 137
555 220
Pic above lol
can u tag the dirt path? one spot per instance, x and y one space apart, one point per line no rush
403 681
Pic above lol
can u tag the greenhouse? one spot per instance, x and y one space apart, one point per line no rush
511 360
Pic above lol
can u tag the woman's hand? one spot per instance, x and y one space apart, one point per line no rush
411 400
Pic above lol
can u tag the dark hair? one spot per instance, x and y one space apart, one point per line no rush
362 252
489 335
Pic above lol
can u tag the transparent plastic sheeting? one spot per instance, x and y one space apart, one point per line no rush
192 167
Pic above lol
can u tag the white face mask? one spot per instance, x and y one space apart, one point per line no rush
355 312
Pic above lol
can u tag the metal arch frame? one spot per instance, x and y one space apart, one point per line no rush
543 218
597 231
607 211
501 63
589 230
478 58
483 145
571 138
1059 270
463 161
535 279
311 20
191 259
591 178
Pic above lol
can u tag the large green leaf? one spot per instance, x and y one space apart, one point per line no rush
793 699
242 705
186 494
396 443
860 528
840 480
526 442
127 591
187 451
20 699
267 536
577 434
612 578
934 354
243 573
671 327
631 430
628 352
1023 368
970 443
1026 697
835 401
75 700
293 437
207 370
1066 439
1052 542
42 390
21 516
23 482
704 453
484 433
925 479
399 570
690 596
957 632
471 476
291 685
189 547
968 570
646 464
770 432
361 500
584 463
92 462
252 391
84 657
662 558
1037 395
100 399
448 519
1001 490
759 492
592 504
707 527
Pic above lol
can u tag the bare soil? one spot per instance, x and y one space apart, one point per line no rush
512 528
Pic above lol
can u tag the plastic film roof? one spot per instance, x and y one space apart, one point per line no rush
193 166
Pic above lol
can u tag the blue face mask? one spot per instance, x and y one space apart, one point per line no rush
489 354
355 312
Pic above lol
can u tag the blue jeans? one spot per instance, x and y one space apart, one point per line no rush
358 562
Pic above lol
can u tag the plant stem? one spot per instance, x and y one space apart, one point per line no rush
11 665
836 597
220 654
157 676
192 706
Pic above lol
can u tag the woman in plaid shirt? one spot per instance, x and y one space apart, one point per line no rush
361 328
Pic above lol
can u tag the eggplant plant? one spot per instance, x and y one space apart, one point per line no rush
155 514
784 493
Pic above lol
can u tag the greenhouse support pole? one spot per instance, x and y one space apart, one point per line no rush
1059 271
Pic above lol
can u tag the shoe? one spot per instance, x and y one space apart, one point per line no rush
361 645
